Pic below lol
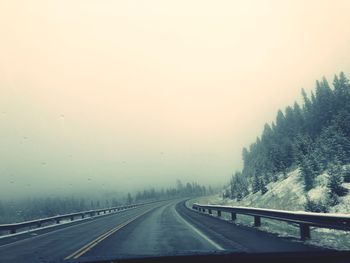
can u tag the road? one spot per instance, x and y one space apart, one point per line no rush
164 228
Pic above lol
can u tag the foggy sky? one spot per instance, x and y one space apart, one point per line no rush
127 94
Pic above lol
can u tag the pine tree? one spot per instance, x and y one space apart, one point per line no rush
334 145
307 173
312 206
298 118
311 136
256 184
341 91
262 187
232 186
226 194
335 181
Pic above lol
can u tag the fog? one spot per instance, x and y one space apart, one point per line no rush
121 95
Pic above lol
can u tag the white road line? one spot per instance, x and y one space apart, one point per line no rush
57 230
197 231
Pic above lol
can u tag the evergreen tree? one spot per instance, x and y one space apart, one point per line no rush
262 187
256 184
312 206
307 173
336 174
312 136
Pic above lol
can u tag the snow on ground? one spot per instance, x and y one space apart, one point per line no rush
288 194
319 192
344 204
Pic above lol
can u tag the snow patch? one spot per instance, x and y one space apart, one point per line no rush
288 194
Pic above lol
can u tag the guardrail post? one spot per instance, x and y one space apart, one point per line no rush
257 221
305 232
71 218
219 213
82 216
57 221
233 216
12 230
209 211
203 210
38 224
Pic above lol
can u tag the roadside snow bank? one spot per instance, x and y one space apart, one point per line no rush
288 194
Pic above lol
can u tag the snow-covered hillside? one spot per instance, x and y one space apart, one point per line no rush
287 193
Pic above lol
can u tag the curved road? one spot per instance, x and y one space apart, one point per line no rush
158 229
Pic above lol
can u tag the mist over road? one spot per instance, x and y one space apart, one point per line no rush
158 229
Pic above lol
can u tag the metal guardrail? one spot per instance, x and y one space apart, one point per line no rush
13 228
305 220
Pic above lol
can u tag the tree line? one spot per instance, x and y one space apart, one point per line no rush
187 189
33 208
314 137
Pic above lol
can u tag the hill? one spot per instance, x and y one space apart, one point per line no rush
287 193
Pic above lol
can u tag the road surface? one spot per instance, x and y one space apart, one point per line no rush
158 229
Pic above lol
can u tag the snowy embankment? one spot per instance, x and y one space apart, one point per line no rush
288 194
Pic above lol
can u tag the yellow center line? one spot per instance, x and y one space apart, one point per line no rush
99 239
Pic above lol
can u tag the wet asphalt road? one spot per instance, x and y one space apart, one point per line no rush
158 229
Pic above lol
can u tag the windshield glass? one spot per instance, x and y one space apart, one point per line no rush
153 128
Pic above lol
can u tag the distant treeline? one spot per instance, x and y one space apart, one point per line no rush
314 137
32 208
187 189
